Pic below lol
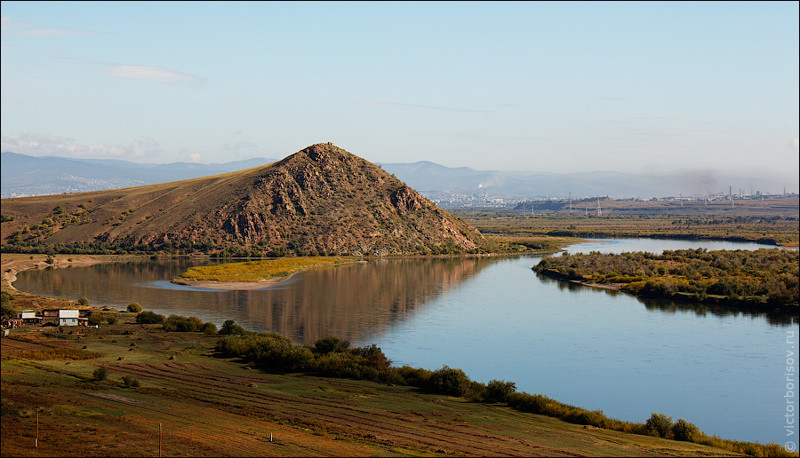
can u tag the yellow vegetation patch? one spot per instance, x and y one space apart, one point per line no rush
56 353
259 270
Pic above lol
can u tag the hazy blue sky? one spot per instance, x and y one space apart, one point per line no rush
532 86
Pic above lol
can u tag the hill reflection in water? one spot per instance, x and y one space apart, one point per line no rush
355 302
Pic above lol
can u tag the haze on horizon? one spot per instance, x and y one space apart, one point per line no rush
552 87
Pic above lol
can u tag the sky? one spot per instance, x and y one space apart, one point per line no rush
552 87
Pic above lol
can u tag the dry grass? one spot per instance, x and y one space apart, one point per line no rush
209 406
781 231
259 270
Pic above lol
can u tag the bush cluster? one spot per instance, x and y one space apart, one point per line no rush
176 323
229 327
763 276
148 317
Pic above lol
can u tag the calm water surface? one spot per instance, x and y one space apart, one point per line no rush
496 319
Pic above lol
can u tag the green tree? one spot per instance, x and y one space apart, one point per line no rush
499 391
660 424
684 431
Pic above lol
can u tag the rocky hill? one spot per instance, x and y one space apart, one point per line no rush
319 201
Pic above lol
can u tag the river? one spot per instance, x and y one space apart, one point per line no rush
496 319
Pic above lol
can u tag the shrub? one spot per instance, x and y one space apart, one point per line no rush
111 319
414 376
134 307
234 345
209 328
229 327
453 382
373 357
340 365
330 344
95 319
279 353
177 323
586 417
533 403
660 424
499 391
148 317
130 381
83 300
100 374
682 430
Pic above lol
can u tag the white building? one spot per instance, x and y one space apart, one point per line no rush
30 317
68 317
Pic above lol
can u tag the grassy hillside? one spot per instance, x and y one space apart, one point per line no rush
211 406
319 201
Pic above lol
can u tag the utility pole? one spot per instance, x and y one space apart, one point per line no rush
570 201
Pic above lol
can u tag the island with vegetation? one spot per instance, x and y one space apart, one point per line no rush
254 274
763 278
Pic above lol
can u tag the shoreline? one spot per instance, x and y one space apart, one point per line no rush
231 285
14 263
252 285
732 304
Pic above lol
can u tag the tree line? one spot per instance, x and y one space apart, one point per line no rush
763 277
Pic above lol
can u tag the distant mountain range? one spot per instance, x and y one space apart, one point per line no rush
24 175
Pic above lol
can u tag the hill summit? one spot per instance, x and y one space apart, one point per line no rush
321 200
